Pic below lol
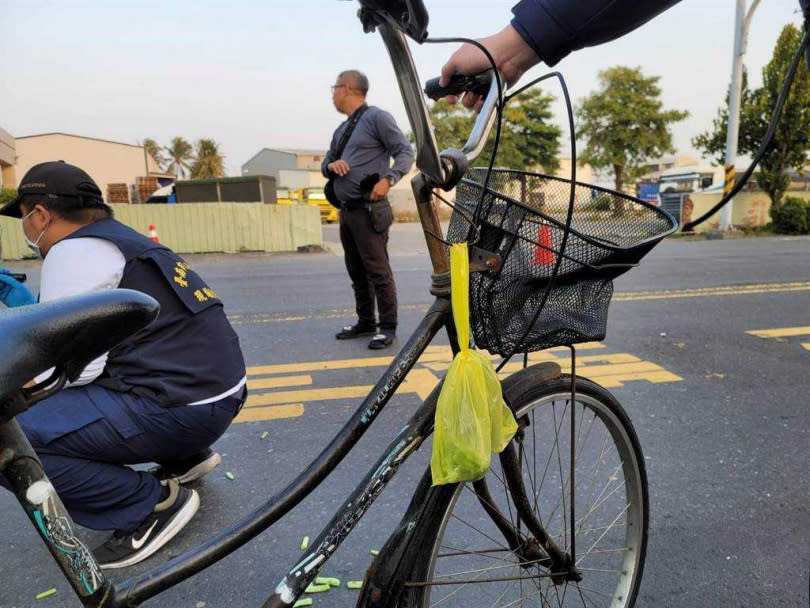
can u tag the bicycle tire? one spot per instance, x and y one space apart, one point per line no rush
419 591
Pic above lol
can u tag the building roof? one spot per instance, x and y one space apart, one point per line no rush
106 141
223 180
5 135
294 151
672 158
303 151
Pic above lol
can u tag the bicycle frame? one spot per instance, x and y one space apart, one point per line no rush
21 467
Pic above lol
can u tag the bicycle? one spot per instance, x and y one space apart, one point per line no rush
562 516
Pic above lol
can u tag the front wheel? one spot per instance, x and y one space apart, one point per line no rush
470 561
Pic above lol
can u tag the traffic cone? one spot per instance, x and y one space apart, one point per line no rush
543 253
153 235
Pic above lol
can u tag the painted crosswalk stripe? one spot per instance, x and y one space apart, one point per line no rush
281 382
255 414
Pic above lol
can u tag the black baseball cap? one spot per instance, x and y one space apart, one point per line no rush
55 180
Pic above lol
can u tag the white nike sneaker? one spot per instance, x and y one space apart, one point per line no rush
125 549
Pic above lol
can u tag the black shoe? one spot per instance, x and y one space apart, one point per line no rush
190 468
384 339
124 549
356 331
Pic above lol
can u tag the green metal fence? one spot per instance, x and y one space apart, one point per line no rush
205 227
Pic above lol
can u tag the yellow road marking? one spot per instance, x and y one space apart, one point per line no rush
315 394
698 292
281 382
806 345
253 414
781 332
322 366
419 381
609 369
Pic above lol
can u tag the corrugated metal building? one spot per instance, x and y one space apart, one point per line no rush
291 168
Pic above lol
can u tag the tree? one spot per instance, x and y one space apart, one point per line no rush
528 137
209 162
155 151
713 143
791 140
179 157
623 123
7 195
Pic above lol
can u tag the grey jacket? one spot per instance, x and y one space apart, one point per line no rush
375 141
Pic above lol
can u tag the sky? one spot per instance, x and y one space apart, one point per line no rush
253 74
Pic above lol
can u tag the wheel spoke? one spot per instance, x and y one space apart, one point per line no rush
469 525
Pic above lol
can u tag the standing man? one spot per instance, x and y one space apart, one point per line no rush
163 395
361 174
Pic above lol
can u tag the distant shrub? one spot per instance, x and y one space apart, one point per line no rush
791 216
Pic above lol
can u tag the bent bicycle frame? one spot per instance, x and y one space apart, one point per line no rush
21 467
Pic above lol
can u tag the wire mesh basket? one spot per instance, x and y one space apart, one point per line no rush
556 278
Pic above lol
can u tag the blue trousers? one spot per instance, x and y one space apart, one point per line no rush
85 437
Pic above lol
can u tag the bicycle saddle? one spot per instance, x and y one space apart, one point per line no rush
70 332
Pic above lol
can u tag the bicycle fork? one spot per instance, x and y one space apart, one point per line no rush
558 562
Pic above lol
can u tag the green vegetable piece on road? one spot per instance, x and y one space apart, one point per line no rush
45 594
304 543
375 552
229 475
307 601
327 580
355 584
264 435
317 588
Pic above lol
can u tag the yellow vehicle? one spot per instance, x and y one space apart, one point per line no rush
286 196
316 198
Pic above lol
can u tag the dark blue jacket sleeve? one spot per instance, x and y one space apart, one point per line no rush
554 28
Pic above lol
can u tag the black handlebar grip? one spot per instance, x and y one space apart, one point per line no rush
20 277
459 83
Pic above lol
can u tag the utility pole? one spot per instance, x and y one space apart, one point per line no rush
742 22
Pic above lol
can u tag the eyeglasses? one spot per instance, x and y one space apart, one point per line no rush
335 87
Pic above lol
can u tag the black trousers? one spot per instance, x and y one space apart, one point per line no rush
366 255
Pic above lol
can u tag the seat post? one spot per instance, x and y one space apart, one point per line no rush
23 474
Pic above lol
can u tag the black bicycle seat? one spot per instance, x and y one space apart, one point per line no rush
70 332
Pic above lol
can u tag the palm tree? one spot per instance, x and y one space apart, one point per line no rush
180 157
155 151
208 162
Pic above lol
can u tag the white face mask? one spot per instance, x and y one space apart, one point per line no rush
33 245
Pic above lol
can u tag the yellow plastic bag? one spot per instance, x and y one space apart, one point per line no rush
472 419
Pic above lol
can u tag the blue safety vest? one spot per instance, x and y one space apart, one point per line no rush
190 352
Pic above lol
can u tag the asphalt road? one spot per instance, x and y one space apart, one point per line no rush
722 415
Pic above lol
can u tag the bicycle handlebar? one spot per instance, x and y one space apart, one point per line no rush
441 169
459 83
483 124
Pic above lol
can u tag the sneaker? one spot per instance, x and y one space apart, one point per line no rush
384 339
356 331
190 468
124 549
